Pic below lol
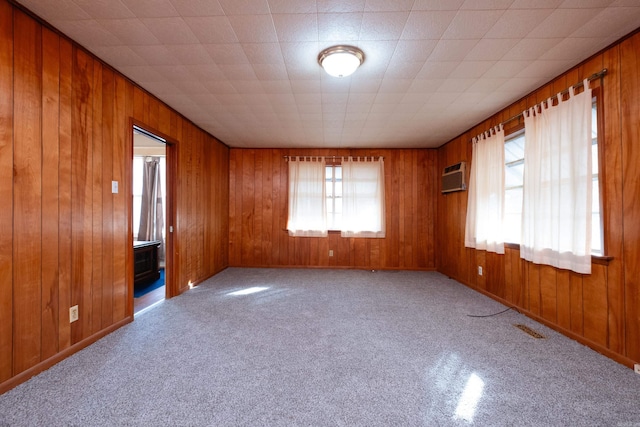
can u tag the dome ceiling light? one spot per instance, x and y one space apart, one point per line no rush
341 61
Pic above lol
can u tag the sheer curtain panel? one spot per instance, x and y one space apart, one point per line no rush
556 214
485 207
363 198
151 211
307 202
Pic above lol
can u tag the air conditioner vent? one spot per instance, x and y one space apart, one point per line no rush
453 178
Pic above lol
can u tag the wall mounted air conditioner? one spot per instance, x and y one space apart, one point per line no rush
453 178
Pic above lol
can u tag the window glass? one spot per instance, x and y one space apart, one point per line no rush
333 177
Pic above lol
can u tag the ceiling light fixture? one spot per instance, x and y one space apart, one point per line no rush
341 61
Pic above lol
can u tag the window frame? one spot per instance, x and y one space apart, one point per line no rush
333 165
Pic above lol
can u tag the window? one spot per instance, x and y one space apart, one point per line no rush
333 180
514 179
346 197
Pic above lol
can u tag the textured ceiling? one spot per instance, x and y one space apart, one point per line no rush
246 71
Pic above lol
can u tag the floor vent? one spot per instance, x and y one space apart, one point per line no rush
529 331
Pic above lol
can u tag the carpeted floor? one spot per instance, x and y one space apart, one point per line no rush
278 347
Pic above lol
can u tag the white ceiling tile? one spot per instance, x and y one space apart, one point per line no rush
90 30
529 49
437 69
190 54
437 4
421 86
517 23
325 6
271 71
305 86
364 85
378 55
471 24
292 6
59 10
506 69
545 70
105 9
142 73
244 7
486 85
172 72
197 7
339 26
573 49
452 50
302 27
308 98
573 4
472 69
490 49
486 4
129 31
538 4
237 71
247 87
388 6
155 54
118 55
427 24
212 29
227 53
253 28
300 54
151 8
263 53
412 51
394 85
407 70
170 30
383 25
220 87
611 21
563 22
205 71
276 86
455 86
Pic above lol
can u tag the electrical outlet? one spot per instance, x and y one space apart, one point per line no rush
330 252
73 314
479 270
636 368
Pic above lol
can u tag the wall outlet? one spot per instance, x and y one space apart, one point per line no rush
73 314
330 252
479 270
636 368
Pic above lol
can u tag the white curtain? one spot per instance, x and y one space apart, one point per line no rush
556 214
363 198
307 201
151 211
485 207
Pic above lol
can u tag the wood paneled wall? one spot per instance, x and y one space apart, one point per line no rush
65 239
601 309
258 214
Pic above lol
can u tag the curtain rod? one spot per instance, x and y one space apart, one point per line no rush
334 157
600 74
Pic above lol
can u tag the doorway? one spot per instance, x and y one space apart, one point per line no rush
151 219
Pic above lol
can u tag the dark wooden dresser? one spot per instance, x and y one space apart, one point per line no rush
145 255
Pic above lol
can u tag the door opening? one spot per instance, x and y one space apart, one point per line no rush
151 219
